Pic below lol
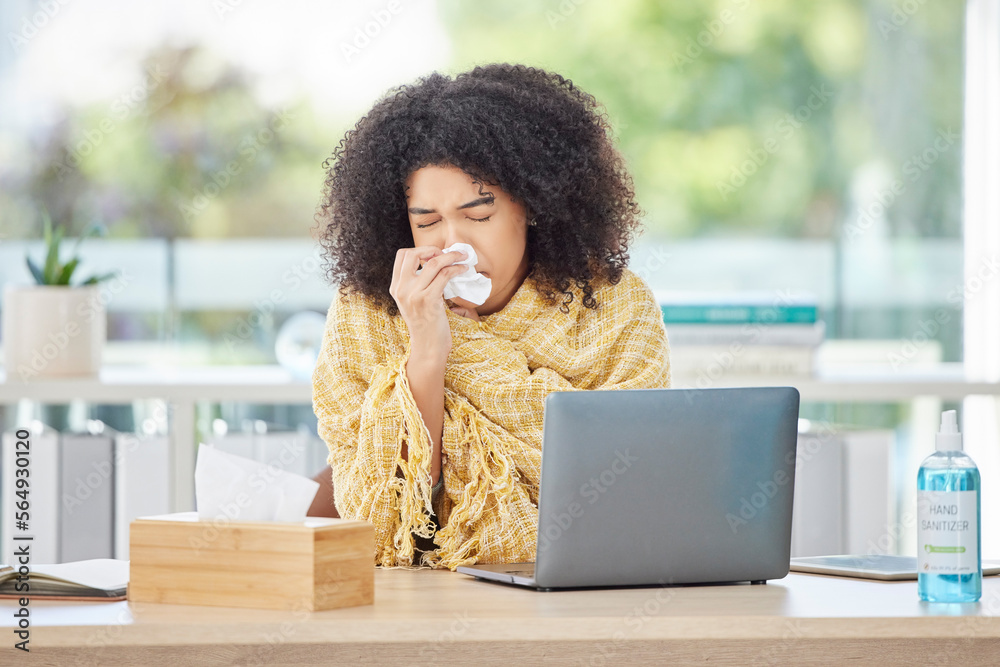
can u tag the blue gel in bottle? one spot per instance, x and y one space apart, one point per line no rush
949 532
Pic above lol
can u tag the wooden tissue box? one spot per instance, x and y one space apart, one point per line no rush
314 564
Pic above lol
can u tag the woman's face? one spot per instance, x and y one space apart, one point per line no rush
446 206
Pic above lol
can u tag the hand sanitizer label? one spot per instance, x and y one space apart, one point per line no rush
947 535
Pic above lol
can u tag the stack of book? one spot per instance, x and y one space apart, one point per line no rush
717 335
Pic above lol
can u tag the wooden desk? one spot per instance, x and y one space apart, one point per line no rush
444 618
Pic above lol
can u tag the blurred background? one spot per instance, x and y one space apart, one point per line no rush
766 135
779 147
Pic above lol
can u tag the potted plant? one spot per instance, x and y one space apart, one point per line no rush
55 328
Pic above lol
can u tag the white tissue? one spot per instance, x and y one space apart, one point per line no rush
470 285
241 489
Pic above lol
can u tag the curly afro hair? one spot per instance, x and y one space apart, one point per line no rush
532 133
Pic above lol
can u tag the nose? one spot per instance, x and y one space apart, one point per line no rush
452 236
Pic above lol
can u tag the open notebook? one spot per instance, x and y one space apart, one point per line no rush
95 579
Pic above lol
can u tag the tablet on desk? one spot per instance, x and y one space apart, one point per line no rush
875 566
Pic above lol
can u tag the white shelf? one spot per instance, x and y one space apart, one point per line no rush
123 384
946 381
273 384
183 387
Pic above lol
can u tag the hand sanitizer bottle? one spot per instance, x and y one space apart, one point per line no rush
949 559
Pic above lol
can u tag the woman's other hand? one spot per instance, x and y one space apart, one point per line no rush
420 298
465 312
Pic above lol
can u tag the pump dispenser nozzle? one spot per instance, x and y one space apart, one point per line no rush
948 438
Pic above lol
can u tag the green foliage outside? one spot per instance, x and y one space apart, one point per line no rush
710 102
696 89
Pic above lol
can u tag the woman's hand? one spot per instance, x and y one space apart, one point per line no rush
421 303
465 312
420 298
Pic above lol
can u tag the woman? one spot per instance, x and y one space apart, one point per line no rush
432 408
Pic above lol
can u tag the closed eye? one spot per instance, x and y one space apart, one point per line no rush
486 219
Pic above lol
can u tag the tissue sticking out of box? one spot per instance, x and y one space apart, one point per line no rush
240 489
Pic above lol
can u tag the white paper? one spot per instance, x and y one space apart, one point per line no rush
241 489
470 285
103 573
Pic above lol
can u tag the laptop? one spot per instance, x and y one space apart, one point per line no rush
645 487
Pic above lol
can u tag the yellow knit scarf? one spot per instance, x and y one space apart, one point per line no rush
497 376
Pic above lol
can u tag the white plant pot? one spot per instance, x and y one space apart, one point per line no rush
52 331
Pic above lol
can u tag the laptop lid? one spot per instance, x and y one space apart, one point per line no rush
666 486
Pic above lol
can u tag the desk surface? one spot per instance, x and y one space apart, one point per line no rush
440 617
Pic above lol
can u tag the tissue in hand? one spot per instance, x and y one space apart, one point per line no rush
471 286
242 489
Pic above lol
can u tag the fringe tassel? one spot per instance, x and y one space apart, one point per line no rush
413 489
493 478
492 485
